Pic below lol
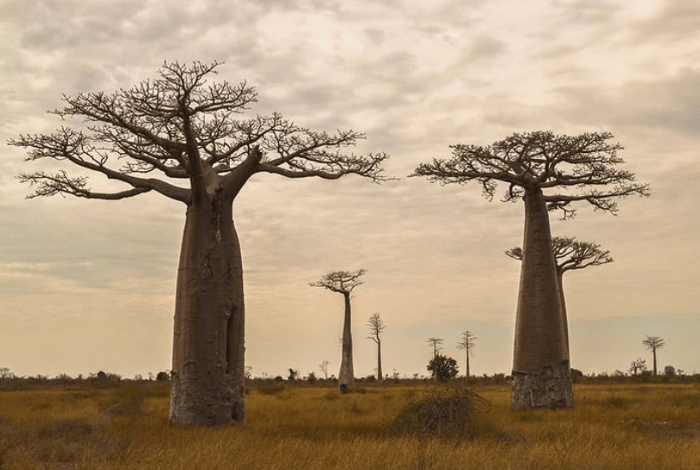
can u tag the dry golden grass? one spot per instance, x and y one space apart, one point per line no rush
613 427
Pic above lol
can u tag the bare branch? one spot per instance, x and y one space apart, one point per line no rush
342 282
571 254
542 160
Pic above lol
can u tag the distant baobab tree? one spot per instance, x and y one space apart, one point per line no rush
467 342
187 139
638 365
436 344
343 282
548 172
652 343
569 254
376 327
324 368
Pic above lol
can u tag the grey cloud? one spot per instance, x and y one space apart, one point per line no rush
670 103
587 12
676 21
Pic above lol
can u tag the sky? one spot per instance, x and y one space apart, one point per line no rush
89 285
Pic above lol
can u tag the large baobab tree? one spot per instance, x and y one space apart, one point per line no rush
187 139
569 254
652 343
376 327
548 172
467 342
343 282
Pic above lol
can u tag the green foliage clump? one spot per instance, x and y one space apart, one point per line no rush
443 368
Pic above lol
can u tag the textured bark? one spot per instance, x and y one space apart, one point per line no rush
208 345
541 359
551 387
346 376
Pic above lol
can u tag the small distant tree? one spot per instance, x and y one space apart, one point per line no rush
639 365
311 378
162 376
653 343
5 373
376 326
670 371
344 282
324 368
436 344
293 375
443 368
467 343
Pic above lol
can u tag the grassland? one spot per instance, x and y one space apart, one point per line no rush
615 427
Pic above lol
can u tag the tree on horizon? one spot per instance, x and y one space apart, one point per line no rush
344 282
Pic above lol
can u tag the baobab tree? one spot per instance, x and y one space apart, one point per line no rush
376 327
324 368
548 172
187 139
343 282
569 254
436 344
467 342
652 343
638 365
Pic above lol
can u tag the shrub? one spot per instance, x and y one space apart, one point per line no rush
447 411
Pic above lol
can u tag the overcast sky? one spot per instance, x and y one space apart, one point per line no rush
89 285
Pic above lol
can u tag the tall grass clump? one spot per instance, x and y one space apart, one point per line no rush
453 411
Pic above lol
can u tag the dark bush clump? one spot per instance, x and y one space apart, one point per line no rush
446 411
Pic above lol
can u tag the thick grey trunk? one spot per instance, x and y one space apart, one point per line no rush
346 376
541 374
208 345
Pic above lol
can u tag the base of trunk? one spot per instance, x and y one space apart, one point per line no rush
346 387
550 387
196 404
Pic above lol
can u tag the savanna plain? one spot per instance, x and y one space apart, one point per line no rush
617 426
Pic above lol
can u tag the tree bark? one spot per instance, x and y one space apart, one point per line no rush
208 345
346 376
467 349
380 376
541 373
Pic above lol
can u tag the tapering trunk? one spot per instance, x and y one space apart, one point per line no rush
208 346
379 360
564 314
541 373
467 349
653 351
346 376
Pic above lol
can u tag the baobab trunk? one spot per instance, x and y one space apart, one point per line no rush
541 374
379 360
208 345
346 376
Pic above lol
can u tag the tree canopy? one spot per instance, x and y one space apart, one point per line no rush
181 127
570 254
568 169
342 282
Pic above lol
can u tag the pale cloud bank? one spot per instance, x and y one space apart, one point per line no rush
87 285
